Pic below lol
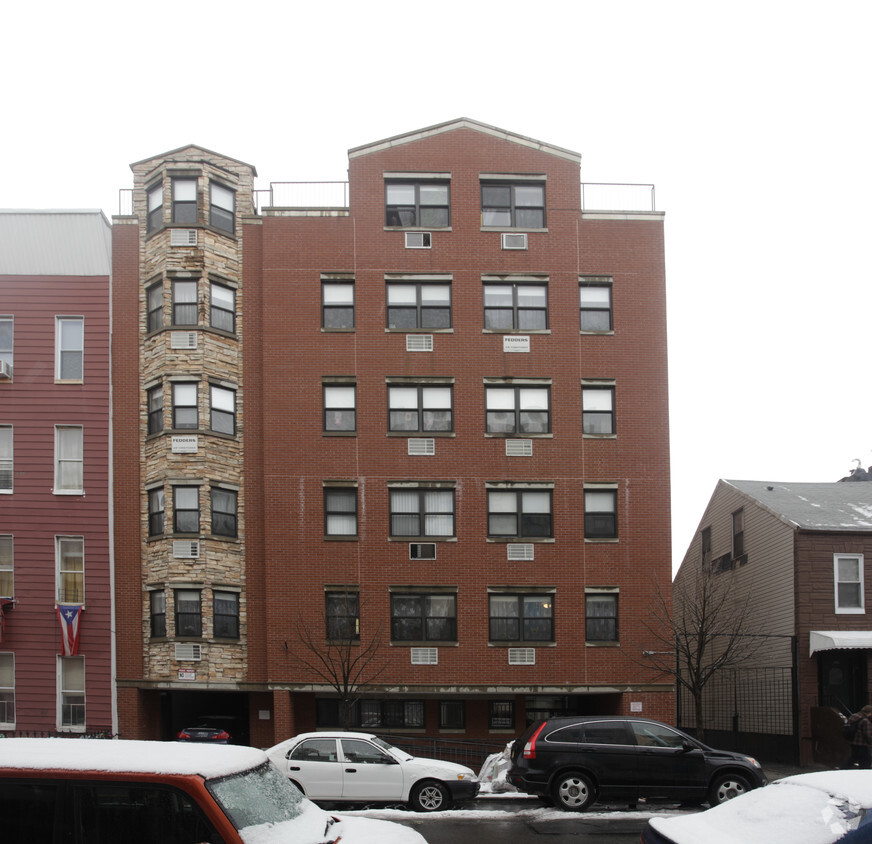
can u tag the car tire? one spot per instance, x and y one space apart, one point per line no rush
429 796
573 792
725 787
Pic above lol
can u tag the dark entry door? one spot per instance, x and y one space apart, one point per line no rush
842 679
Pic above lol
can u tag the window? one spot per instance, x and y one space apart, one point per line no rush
69 348
849 583
154 198
738 521
419 306
597 410
157 609
156 511
186 509
521 618
7 570
519 205
71 682
342 614
226 614
222 208
595 305
706 545
423 618
154 397
337 305
600 513
223 512
189 619
69 466
222 313
70 557
601 616
420 408
339 407
521 307
390 713
184 303
517 513
340 511
185 415
501 714
452 715
518 409
7 325
422 512
185 201
6 459
154 305
417 204
223 403
7 690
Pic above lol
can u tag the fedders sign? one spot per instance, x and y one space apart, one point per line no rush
516 343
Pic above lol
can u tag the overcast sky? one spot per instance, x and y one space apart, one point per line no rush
751 118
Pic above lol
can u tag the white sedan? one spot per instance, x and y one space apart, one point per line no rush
362 768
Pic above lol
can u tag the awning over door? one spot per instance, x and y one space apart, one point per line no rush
831 640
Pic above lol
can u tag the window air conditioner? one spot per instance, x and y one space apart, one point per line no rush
421 447
418 240
425 656
422 550
5 370
512 240
186 549
183 339
188 652
183 237
520 551
419 342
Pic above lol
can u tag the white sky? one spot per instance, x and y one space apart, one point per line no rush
751 118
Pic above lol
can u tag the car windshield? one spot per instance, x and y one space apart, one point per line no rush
258 795
395 751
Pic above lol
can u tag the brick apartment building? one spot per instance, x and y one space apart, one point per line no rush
425 428
54 474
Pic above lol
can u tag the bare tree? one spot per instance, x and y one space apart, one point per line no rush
705 629
337 654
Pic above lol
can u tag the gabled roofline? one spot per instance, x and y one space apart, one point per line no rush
463 123
196 147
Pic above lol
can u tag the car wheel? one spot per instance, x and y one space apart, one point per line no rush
726 787
429 797
573 792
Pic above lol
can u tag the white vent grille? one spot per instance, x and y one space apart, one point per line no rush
186 549
188 652
183 237
425 656
183 339
520 551
419 447
422 551
418 240
5 370
514 241
519 448
419 342
522 656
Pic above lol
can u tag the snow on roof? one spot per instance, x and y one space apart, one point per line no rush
123 756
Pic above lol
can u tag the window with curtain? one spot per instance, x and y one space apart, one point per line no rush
420 408
601 616
340 511
69 459
70 555
521 618
72 692
422 512
519 513
423 618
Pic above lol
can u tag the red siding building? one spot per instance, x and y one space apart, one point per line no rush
54 473
443 456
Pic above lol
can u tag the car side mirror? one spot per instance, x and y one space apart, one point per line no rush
686 747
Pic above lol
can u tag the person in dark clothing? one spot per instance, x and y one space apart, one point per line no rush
861 743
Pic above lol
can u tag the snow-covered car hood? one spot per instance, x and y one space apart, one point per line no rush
438 768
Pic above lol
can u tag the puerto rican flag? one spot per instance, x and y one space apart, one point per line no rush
68 615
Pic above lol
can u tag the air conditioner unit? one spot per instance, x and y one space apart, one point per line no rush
418 240
5 370
422 550
186 549
519 448
419 342
188 652
421 447
183 237
522 656
511 240
520 551
425 656
183 339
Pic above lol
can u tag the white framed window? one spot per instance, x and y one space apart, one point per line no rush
69 460
71 693
849 587
7 331
7 691
6 464
7 567
69 348
70 568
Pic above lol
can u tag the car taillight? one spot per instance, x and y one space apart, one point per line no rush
530 746
182 734
222 736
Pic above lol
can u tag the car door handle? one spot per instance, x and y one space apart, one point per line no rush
295 767
351 770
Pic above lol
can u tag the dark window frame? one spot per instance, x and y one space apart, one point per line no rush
342 615
157 613
154 309
593 311
186 312
590 418
452 714
189 624
520 515
337 492
501 715
421 410
181 514
421 310
517 310
592 621
524 632
219 314
737 525
394 211
154 398
514 210
340 412
221 217
154 213
179 408
225 625
328 309
219 417
519 426
185 211
156 511
428 628
601 524
224 522
422 513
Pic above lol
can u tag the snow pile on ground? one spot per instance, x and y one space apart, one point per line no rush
494 770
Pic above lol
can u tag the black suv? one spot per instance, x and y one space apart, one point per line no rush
574 761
